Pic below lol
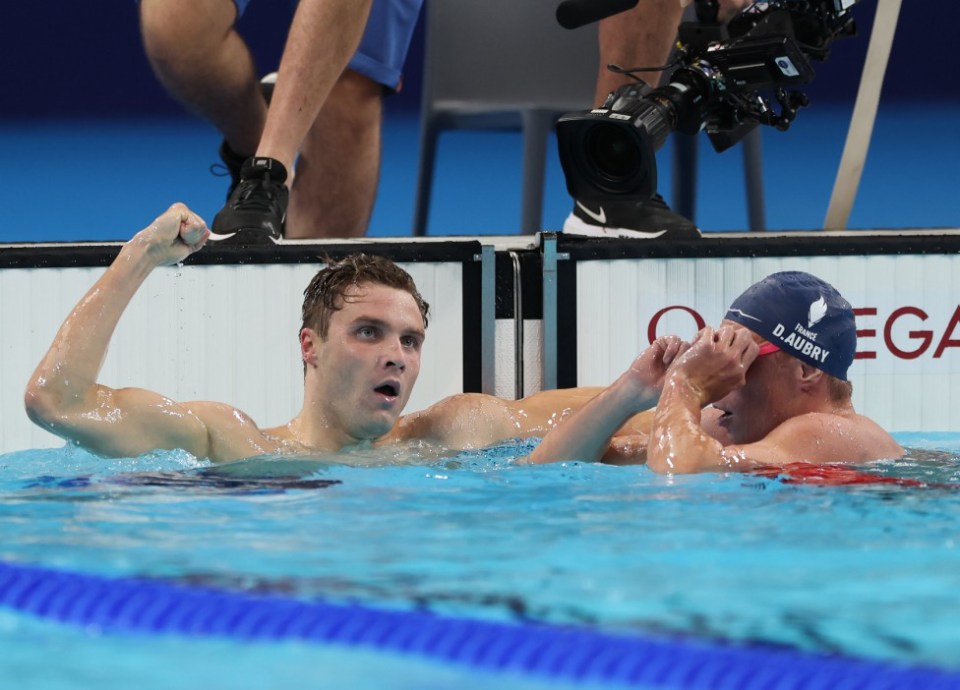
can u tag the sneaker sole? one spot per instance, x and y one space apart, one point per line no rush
576 226
260 237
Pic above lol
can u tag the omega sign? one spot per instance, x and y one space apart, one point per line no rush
906 332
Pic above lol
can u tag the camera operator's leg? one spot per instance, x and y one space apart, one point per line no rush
323 36
338 194
640 37
201 60
339 165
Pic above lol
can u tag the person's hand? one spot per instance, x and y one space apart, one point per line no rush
646 373
173 236
716 362
652 364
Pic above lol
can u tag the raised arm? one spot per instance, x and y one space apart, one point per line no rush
63 394
589 433
715 364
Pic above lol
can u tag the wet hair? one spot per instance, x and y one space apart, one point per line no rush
327 292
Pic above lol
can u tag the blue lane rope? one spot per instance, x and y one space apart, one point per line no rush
145 606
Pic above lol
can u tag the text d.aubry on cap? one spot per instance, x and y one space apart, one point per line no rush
803 315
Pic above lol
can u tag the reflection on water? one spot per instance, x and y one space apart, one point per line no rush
856 560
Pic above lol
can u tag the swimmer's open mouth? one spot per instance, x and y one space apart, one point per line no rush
389 389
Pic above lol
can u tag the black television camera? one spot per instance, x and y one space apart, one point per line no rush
719 84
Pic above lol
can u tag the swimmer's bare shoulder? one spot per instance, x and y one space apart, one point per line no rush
463 421
847 437
815 437
232 434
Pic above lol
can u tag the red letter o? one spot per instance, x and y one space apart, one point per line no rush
655 320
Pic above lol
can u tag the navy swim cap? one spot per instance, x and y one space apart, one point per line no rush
804 316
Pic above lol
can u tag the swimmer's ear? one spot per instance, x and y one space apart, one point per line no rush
308 346
808 376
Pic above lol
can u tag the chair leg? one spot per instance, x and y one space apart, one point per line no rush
429 132
537 126
753 178
684 175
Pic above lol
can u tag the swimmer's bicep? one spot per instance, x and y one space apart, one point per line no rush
131 421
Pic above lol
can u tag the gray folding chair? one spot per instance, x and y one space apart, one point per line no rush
501 65
508 65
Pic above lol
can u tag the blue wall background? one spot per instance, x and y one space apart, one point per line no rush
68 60
98 148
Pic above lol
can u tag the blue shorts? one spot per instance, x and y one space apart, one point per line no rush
386 39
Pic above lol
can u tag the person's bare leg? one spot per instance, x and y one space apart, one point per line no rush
339 166
640 37
201 60
323 37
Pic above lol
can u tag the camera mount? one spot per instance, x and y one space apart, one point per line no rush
728 79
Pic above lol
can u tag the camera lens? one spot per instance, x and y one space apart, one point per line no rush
611 151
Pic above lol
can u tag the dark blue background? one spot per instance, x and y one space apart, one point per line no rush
85 59
95 147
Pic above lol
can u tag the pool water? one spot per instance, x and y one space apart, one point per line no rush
864 570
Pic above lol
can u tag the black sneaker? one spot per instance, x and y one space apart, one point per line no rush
650 219
233 161
255 211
